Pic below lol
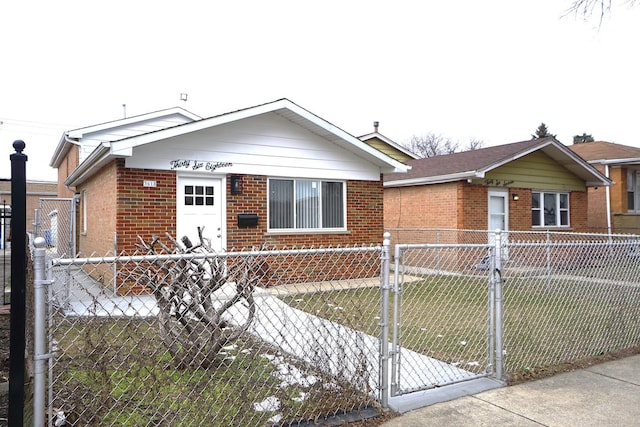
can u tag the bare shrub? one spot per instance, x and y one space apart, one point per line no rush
197 301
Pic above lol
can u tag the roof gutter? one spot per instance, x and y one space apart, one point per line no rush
435 179
61 149
98 157
629 160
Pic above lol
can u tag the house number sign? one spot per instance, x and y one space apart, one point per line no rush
197 164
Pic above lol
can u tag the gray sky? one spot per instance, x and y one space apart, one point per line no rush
491 70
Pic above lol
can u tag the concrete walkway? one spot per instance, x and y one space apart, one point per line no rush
606 394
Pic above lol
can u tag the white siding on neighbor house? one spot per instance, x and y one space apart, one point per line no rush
263 145
90 141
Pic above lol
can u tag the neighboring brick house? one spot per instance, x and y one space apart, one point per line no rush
36 190
615 209
274 173
531 185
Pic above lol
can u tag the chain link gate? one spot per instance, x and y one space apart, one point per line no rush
55 222
446 325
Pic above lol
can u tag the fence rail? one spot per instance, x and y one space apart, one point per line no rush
304 334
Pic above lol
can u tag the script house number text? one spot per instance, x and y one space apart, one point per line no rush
198 164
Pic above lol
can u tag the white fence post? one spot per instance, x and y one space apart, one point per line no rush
384 320
497 273
40 355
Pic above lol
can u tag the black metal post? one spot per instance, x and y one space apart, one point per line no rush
18 283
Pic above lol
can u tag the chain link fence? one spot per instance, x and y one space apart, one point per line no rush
255 346
569 297
283 336
566 296
55 223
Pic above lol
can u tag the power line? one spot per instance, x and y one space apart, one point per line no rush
31 123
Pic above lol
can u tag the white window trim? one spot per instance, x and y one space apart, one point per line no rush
84 212
633 175
309 230
557 209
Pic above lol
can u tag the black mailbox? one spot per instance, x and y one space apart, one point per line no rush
247 220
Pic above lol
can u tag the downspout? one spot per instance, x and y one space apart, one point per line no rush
608 199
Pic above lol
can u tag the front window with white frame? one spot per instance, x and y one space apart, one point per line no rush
633 191
306 204
549 209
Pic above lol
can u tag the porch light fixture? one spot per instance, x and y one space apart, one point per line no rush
236 184
515 197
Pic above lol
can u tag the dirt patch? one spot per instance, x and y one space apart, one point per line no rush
548 371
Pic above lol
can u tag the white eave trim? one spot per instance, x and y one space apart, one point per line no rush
98 157
80 132
625 161
439 179
396 166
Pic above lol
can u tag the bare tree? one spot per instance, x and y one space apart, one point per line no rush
473 144
430 145
587 8
194 321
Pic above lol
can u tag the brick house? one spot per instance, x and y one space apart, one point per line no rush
531 185
273 173
35 191
617 208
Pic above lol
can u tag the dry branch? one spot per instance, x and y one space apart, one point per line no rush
200 311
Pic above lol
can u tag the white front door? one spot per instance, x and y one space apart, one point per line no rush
200 204
499 217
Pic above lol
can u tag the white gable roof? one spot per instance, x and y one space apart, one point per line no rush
88 138
202 133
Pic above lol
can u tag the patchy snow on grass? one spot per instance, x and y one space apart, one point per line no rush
275 419
301 398
269 404
288 374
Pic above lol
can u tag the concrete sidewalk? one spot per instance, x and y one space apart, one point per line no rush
607 394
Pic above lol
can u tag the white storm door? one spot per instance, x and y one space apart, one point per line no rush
499 217
200 204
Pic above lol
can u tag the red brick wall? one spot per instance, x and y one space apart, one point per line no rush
118 202
579 206
148 211
68 164
619 201
364 217
431 206
472 207
252 200
520 210
100 201
597 214
144 211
